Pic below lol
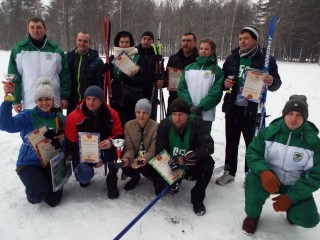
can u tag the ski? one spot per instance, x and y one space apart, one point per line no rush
160 63
107 74
261 113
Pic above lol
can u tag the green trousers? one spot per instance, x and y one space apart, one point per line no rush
303 213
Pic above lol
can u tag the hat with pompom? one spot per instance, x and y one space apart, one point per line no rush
297 103
44 88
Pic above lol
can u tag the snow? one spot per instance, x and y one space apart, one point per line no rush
87 213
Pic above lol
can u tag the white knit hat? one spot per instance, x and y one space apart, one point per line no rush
43 88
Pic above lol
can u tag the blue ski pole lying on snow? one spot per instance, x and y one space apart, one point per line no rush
146 209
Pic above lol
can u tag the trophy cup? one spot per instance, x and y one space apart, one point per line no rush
139 159
231 77
118 143
9 78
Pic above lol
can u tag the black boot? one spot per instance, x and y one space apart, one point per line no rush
113 192
133 182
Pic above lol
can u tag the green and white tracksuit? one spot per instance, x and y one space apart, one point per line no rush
29 63
294 157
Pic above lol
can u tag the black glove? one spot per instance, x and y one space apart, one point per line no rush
176 162
50 134
196 111
107 66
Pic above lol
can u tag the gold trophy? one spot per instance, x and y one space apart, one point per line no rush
118 143
9 78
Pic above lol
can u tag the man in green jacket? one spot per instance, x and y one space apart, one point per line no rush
38 56
284 159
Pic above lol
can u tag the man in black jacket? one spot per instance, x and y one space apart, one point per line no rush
86 67
148 62
186 138
240 114
187 54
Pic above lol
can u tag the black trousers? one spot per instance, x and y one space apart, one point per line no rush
202 173
240 120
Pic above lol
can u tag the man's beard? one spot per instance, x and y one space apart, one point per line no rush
180 130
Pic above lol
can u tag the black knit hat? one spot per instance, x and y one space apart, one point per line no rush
252 31
95 91
297 103
179 105
149 34
123 34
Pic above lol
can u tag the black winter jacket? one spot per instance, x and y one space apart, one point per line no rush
178 60
231 67
201 141
91 73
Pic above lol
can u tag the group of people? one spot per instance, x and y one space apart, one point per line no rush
284 158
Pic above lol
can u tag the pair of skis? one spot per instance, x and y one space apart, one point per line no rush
261 112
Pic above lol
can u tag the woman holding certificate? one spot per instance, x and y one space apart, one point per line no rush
34 173
201 83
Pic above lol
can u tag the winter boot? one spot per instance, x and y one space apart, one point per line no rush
132 183
249 225
113 192
225 178
199 208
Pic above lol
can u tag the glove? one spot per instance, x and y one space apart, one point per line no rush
50 134
176 162
282 203
196 111
270 182
190 158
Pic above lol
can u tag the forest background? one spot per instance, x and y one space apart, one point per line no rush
297 37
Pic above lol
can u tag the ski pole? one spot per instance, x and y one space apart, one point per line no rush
126 229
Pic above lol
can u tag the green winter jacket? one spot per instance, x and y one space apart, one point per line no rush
201 85
294 156
29 63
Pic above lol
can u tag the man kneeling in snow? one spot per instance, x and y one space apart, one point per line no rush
187 139
284 159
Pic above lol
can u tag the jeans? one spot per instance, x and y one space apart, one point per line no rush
84 171
38 183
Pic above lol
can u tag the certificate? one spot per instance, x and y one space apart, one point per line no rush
174 75
60 171
36 136
160 164
253 85
89 149
124 63
46 151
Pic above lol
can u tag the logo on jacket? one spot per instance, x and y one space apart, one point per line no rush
297 157
206 74
49 56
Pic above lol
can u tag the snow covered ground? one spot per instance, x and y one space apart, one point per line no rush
87 213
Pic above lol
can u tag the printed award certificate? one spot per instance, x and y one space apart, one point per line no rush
124 63
160 164
46 151
174 75
253 85
89 149
36 136
60 171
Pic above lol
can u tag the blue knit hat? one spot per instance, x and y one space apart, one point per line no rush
95 91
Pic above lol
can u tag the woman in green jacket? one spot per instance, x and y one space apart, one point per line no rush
201 83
